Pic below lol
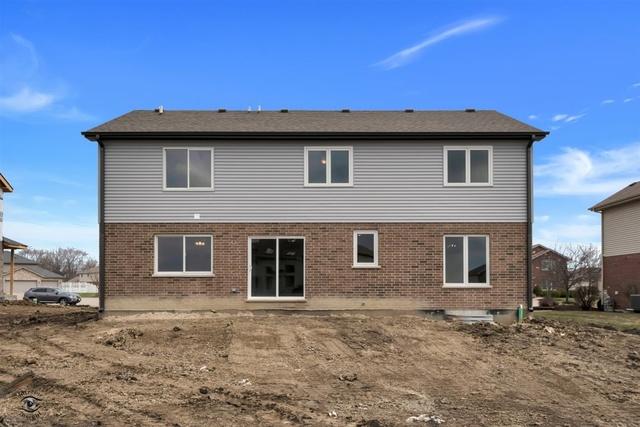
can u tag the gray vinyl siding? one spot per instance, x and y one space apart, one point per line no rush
621 230
394 181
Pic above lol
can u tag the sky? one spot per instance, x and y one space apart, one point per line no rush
570 67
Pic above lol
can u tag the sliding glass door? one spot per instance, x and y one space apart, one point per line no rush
276 267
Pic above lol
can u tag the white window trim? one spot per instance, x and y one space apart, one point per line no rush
465 262
187 188
357 264
467 163
327 150
184 273
277 298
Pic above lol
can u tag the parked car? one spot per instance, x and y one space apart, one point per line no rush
51 295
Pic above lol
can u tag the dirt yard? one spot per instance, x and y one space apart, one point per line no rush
289 369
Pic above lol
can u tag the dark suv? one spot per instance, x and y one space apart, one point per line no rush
51 295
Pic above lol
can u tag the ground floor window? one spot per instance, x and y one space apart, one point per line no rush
466 260
186 255
276 267
365 248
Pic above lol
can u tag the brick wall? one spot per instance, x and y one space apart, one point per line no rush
622 277
410 257
554 276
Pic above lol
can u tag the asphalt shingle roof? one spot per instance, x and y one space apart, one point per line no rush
627 194
234 122
30 265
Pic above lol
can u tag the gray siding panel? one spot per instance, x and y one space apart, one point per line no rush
621 229
264 182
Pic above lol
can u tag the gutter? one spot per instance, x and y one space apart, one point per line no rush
251 136
101 282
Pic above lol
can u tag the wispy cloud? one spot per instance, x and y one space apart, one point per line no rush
636 84
409 54
628 100
25 100
542 218
578 172
533 117
21 88
608 101
72 114
567 118
53 234
581 229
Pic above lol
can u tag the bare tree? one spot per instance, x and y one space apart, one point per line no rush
582 268
65 261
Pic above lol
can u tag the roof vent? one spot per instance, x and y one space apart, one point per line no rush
408 110
222 110
470 110
159 110
284 110
345 110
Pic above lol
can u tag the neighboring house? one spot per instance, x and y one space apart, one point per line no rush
28 274
87 276
6 243
548 267
621 243
315 210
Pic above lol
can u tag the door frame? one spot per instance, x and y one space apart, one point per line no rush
304 269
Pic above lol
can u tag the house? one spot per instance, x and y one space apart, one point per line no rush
621 243
89 275
8 244
28 274
315 210
548 267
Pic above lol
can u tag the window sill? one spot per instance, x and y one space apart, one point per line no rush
446 184
183 275
469 286
366 267
188 189
276 299
328 185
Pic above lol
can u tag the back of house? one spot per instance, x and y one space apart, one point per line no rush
315 210
621 244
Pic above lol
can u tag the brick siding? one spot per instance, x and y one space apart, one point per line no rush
622 275
410 258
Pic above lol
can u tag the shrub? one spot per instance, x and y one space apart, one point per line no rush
547 302
586 296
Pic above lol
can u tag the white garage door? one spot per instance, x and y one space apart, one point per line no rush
21 286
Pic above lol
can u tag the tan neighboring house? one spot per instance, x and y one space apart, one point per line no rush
89 275
28 274
8 244
621 243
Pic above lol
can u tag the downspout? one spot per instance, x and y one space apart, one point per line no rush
101 282
529 222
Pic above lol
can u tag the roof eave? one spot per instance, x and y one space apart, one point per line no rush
5 185
96 136
601 207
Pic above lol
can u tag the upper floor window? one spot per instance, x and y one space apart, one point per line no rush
547 265
328 166
188 168
468 166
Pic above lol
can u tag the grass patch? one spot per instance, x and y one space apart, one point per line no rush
88 294
625 322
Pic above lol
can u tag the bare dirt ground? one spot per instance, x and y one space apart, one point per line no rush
288 369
